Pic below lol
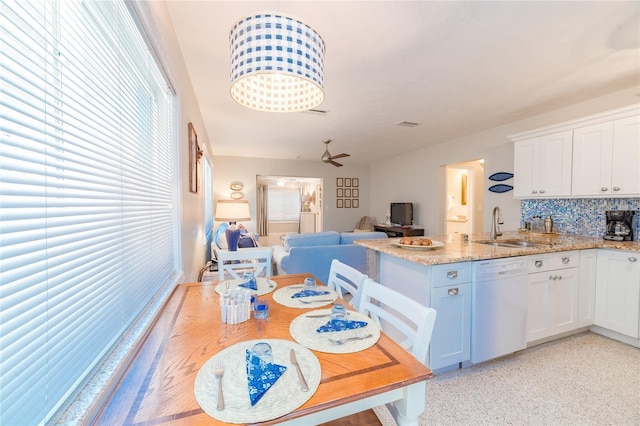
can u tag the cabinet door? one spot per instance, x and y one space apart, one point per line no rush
592 151
586 287
554 168
525 177
542 166
618 292
451 340
625 173
538 309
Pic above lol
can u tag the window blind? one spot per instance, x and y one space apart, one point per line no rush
88 224
284 204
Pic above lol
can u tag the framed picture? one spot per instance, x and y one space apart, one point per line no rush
355 192
347 192
339 203
347 181
339 182
355 203
194 150
339 192
347 203
355 182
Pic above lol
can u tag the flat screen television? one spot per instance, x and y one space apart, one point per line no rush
402 213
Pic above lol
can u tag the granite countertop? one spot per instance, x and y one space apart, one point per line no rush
457 250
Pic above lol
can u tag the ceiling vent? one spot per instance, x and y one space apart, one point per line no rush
408 124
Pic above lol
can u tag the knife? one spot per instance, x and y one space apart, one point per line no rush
303 383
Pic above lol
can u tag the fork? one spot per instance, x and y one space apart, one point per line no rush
219 372
307 302
341 341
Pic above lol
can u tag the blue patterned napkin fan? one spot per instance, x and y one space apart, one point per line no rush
309 293
261 378
251 284
340 325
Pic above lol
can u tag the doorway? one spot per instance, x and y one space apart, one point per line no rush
463 203
293 204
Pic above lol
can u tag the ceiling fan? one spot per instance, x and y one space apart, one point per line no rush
328 158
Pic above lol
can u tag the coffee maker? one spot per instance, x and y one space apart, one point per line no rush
619 225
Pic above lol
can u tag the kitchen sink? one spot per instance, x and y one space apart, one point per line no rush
512 243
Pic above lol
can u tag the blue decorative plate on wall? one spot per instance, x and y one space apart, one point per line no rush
500 176
500 188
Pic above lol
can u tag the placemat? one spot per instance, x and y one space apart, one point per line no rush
283 397
265 285
283 297
303 330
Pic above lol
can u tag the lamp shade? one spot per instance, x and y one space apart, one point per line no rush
232 210
277 64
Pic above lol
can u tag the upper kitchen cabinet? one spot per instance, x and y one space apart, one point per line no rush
543 166
605 158
593 156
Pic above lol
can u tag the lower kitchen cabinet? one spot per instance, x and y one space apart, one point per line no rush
618 292
587 287
552 294
451 340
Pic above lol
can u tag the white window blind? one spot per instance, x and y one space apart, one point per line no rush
88 227
284 204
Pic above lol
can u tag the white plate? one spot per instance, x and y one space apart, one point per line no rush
283 297
283 397
434 245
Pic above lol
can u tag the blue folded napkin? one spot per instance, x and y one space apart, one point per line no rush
261 378
340 325
252 284
309 293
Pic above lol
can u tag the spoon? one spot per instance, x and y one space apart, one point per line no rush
341 341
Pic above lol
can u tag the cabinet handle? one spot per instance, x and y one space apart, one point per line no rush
452 275
534 191
453 291
616 188
542 191
551 277
538 263
604 189
559 277
566 260
633 259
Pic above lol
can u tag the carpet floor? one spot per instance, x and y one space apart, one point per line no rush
585 379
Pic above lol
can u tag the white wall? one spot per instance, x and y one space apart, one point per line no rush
230 169
416 177
158 26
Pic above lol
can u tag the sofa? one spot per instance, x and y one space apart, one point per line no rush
313 252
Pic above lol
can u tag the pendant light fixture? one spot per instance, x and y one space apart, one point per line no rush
277 64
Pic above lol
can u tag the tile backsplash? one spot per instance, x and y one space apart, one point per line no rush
581 216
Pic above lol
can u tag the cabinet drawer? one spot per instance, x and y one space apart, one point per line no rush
551 261
450 273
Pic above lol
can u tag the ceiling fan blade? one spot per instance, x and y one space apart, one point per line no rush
334 163
333 157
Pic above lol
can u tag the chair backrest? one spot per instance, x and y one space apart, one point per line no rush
406 321
345 279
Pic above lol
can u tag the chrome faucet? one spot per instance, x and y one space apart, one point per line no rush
496 219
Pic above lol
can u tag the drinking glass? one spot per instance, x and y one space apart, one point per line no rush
261 309
248 277
309 283
338 312
261 355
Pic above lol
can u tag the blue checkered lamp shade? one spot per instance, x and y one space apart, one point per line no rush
277 64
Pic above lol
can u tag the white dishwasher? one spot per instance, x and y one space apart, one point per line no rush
498 308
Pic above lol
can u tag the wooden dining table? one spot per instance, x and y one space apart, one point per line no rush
158 386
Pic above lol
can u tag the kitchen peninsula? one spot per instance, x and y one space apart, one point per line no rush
571 284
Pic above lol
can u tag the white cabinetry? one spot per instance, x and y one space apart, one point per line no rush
307 222
445 288
618 292
552 294
451 298
605 158
587 287
543 166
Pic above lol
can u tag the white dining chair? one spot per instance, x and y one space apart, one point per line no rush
406 321
346 281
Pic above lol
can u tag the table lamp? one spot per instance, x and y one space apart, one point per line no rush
232 211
